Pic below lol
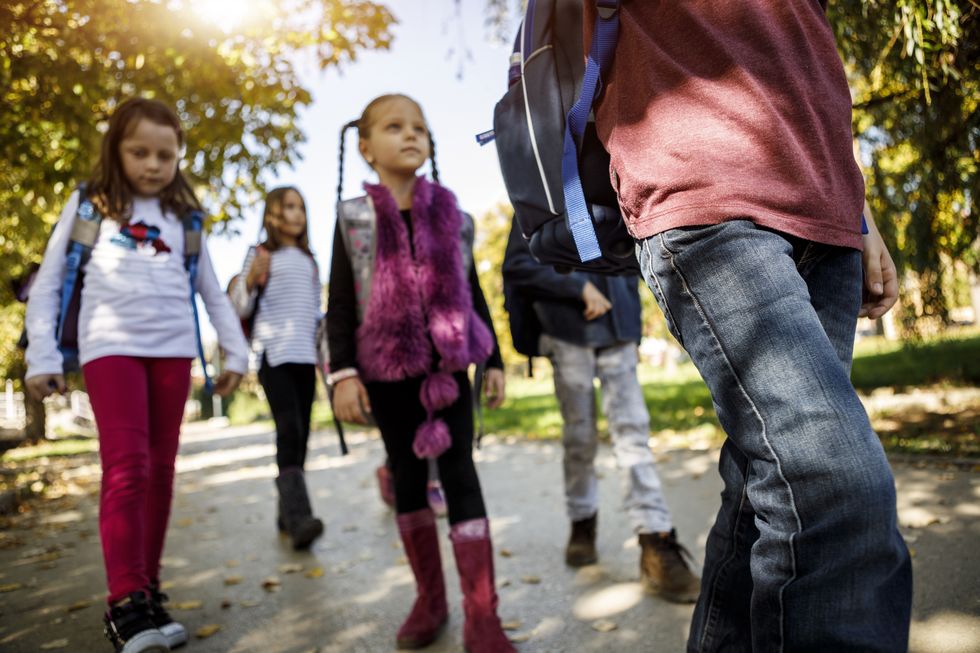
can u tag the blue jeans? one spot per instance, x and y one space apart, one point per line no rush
805 553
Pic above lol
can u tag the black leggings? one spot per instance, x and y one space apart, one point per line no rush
290 388
398 412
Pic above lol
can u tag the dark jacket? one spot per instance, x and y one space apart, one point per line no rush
541 300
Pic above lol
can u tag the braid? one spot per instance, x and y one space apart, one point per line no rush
435 170
340 167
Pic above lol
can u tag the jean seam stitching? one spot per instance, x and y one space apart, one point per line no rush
663 298
765 438
712 613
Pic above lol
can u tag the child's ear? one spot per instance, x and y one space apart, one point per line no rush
365 150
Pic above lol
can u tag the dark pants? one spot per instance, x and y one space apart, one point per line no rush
398 412
290 388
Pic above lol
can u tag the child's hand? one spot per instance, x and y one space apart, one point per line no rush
42 385
258 272
226 383
880 277
350 401
494 387
596 304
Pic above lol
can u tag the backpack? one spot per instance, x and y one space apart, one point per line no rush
85 232
554 167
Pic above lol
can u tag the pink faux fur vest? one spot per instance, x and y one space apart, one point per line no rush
421 304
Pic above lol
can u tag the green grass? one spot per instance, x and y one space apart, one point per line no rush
951 360
52 449
678 402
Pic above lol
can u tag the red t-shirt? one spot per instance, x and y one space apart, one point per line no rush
716 110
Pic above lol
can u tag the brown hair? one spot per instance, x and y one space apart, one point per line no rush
363 127
108 187
273 209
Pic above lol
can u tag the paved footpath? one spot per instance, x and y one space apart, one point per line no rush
227 567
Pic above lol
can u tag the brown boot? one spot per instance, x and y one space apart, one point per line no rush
581 544
663 570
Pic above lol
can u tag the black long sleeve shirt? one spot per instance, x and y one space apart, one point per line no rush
342 306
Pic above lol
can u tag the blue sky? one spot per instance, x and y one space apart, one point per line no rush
419 64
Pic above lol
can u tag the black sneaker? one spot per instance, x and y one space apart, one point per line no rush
174 631
129 626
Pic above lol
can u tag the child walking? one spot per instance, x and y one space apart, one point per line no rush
136 341
281 295
407 318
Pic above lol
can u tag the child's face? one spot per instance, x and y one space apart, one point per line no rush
290 219
149 157
398 142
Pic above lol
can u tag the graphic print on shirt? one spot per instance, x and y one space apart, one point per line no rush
142 238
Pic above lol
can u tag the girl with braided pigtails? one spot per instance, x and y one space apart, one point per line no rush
407 319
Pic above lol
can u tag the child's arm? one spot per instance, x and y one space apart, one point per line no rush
350 400
44 302
342 309
222 315
241 297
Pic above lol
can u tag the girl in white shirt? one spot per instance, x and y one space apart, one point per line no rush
136 341
281 297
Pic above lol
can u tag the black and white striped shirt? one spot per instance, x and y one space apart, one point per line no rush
288 308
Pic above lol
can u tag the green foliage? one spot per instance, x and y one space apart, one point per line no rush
492 231
914 67
65 64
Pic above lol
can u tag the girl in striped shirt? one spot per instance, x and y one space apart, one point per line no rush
280 295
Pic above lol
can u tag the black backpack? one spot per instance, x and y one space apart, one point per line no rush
571 217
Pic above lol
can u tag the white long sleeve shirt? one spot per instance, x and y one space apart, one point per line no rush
284 329
134 302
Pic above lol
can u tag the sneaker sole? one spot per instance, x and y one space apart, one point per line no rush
175 633
148 641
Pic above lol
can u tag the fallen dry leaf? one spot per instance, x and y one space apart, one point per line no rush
226 603
511 625
290 568
531 580
506 553
604 626
503 582
316 572
206 631
271 584
10 587
57 643
249 603
189 605
79 605
233 580
231 563
185 522
517 639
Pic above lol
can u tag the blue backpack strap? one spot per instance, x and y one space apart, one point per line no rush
84 233
193 225
604 38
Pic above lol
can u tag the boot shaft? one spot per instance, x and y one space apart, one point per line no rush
420 538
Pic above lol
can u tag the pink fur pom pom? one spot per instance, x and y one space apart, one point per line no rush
439 390
431 439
